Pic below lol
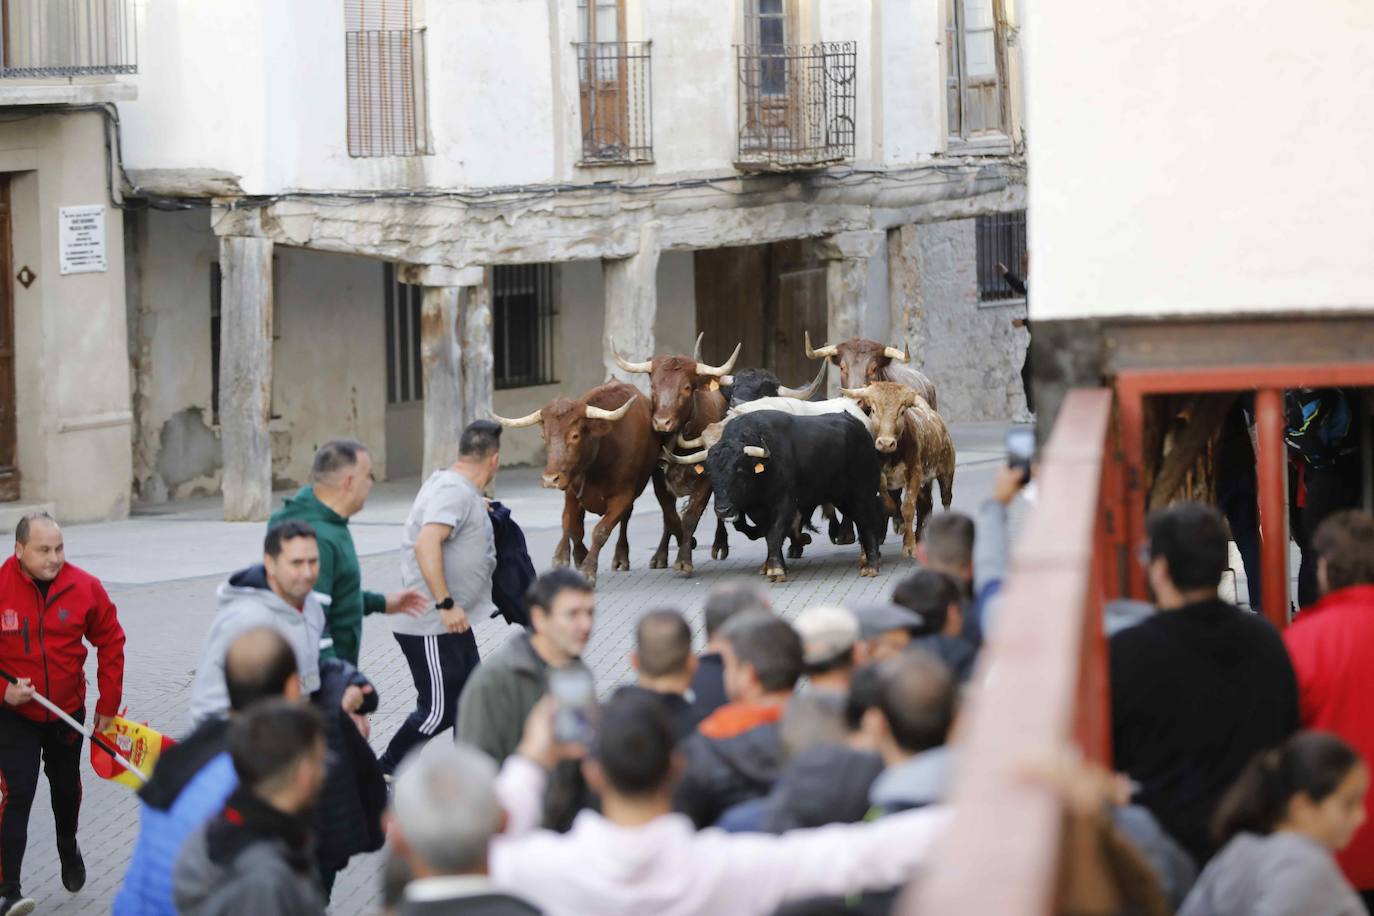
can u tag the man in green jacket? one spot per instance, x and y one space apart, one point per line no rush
341 479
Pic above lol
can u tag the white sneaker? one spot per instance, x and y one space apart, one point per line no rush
16 906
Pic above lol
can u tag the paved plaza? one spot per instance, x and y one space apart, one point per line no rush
162 567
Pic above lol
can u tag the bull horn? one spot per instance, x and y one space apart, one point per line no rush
855 393
806 393
694 458
644 367
756 451
898 355
600 413
521 423
725 369
727 380
698 442
696 351
825 351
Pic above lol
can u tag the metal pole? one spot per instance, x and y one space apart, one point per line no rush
1273 505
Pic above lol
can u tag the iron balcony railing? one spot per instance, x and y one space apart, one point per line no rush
41 39
617 108
388 106
796 104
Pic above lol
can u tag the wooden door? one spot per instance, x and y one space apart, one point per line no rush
602 80
9 432
801 305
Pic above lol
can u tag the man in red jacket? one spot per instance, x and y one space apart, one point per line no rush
47 606
1332 647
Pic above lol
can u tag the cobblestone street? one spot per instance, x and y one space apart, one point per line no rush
162 570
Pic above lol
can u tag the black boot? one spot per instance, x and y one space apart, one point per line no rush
73 866
15 906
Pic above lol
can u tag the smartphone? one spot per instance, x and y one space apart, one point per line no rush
574 699
1021 449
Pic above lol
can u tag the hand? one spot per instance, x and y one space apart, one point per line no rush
455 620
353 697
1086 789
407 602
364 726
103 723
20 693
1018 322
1007 484
1002 269
537 741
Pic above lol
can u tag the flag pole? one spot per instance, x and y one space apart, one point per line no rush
98 740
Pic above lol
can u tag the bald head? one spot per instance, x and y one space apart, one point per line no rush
916 697
663 644
38 546
258 665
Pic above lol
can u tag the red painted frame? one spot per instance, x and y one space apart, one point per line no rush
1269 381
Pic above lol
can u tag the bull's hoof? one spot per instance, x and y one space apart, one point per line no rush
844 536
684 566
776 574
621 564
868 572
804 539
909 550
896 524
588 573
658 561
694 543
720 551
794 551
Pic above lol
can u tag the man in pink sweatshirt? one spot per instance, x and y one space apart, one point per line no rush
637 856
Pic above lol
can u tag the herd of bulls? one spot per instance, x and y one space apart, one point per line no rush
767 454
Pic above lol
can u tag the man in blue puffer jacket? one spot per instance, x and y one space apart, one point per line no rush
196 776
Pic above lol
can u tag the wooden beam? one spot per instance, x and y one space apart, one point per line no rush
245 377
478 356
1204 425
441 363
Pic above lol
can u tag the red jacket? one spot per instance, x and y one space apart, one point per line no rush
1332 647
42 640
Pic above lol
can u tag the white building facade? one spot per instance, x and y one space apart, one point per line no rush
381 218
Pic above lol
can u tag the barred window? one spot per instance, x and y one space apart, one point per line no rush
404 376
1001 240
388 110
522 307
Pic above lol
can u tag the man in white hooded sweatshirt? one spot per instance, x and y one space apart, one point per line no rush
637 856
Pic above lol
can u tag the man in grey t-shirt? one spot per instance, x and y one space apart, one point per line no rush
448 553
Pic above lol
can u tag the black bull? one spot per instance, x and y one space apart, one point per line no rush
775 468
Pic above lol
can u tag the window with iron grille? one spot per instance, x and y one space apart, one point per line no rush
388 109
1001 240
404 379
613 78
64 38
976 50
522 309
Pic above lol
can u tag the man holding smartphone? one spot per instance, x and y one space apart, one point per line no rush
448 553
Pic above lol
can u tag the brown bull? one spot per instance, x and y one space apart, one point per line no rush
686 399
862 361
916 450
601 454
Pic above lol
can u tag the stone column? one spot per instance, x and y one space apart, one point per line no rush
441 362
846 283
245 377
631 286
904 291
478 357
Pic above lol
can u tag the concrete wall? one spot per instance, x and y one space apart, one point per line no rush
969 349
71 369
1222 166
329 360
502 89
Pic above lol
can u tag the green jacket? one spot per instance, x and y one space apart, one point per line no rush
340 578
499 695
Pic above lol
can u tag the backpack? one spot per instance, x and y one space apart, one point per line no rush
514 571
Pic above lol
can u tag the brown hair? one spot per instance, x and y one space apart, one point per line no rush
1346 542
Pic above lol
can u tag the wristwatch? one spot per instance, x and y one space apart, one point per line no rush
445 605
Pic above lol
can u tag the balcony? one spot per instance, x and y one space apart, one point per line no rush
617 110
47 39
796 105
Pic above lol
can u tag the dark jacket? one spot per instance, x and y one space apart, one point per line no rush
955 651
726 766
1197 692
340 579
467 895
824 784
250 859
514 572
708 684
348 818
682 715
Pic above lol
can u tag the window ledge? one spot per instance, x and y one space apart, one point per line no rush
66 93
1002 303
990 145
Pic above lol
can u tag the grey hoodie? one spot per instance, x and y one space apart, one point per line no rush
246 602
922 780
258 881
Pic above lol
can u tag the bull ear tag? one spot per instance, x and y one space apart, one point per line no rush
715 385
700 469
758 468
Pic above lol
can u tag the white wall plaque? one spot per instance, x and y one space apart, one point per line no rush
81 239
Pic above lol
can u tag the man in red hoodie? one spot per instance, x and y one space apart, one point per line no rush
1332 647
47 606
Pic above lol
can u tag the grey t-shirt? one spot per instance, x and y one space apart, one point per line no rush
449 498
